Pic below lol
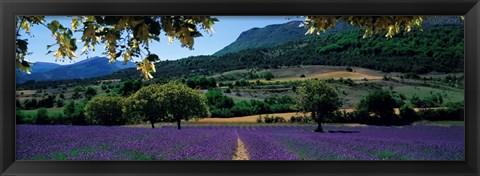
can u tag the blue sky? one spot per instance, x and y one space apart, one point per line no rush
226 31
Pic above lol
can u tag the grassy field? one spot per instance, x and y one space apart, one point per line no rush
441 123
422 92
51 111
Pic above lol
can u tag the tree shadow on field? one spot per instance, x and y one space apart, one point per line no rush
341 131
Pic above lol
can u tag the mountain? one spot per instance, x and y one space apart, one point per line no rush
43 66
273 35
277 34
88 68
267 36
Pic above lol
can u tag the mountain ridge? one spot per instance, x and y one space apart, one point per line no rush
88 68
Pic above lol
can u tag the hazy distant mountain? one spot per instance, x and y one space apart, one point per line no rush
43 66
93 67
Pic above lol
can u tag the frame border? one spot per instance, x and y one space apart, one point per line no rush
10 8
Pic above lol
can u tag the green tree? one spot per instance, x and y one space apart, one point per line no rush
184 102
59 103
69 109
380 103
105 110
319 98
90 92
127 88
18 105
147 104
268 76
76 95
78 117
30 104
217 100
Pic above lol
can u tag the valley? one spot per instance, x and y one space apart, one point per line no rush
264 96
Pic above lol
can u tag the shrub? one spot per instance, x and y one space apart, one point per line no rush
279 119
59 119
25 118
349 69
75 113
259 119
78 115
47 102
275 119
90 92
76 95
221 113
59 103
296 119
217 100
450 113
19 116
407 114
242 108
268 119
30 104
42 116
268 76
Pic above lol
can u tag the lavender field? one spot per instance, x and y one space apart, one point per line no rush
417 142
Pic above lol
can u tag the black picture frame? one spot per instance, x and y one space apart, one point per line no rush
10 8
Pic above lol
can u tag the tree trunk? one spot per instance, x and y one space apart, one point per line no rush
153 123
319 121
178 124
319 128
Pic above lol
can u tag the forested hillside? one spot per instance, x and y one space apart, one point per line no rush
438 48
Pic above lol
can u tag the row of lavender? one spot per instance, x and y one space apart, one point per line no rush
355 143
219 143
120 143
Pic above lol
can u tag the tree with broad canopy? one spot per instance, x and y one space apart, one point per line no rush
319 98
147 104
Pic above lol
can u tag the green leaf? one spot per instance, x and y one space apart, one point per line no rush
153 58
112 20
154 28
22 45
53 26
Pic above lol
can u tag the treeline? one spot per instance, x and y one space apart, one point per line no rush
223 106
378 108
134 102
154 103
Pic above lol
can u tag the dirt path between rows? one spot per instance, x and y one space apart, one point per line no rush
241 152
